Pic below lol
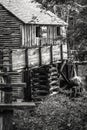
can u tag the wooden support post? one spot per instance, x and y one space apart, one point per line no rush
5 120
67 81
61 51
51 55
27 90
27 79
40 58
26 58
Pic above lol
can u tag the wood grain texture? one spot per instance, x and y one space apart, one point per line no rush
10 34
18 59
56 53
33 57
65 51
45 54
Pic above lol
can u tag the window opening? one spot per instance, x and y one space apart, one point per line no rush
38 31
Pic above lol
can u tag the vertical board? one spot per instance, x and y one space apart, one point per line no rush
33 57
33 35
22 31
37 41
45 55
25 35
30 28
51 34
65 51
55 34
18 59
44 35
48 34
63 31
1 122
56 53
28 35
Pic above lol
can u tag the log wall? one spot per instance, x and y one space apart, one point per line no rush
10 34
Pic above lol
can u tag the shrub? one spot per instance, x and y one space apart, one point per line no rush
56 112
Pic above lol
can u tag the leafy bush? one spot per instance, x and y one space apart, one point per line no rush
57 112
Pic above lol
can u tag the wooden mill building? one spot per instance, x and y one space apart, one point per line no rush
32 40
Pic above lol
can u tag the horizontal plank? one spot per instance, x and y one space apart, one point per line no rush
8 73
5 85
80 62
16 105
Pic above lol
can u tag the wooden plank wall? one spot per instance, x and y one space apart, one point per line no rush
10 35
18 59
63 31
33 57
38 56
13 33
55 33
29 38
33 35
48 34
51 34
28 35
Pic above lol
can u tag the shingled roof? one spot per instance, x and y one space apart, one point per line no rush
31 12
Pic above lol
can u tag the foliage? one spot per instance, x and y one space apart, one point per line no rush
77 9
57 112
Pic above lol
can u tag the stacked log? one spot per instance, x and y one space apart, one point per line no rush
34 83
6 59
1 58
17 86
53 78
43 79
16 78
40 84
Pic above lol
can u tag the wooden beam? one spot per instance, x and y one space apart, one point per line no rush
67 81
16 105
40 57
51 55
80 62
8 73
7 85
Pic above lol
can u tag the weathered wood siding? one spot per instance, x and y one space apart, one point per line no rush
65 50
28 35
63 31
29 38
10 35
45 54
18 59
33 57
